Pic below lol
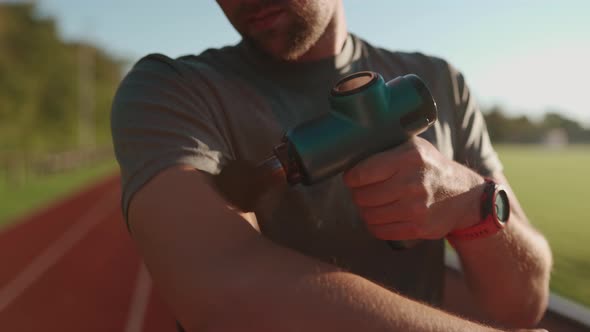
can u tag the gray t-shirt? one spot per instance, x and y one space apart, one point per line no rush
236 103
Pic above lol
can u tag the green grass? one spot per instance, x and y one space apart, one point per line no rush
553 187
42 190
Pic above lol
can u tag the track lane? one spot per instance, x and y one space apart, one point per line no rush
31 234
73 267
88 289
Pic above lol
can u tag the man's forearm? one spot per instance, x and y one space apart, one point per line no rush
413 191
509 272
218 273
280 290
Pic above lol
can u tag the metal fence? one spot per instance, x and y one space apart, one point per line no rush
18 168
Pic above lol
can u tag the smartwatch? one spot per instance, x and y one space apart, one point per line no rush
495 212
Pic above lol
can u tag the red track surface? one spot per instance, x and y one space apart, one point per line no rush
72 267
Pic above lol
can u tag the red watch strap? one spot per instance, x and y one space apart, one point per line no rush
487 226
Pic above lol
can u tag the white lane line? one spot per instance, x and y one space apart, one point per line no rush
139 301
57 249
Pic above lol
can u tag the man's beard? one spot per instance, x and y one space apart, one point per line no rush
294 42
301 34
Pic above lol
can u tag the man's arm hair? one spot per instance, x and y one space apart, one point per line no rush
218 273
508 273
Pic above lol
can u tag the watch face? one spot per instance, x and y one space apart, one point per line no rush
501 206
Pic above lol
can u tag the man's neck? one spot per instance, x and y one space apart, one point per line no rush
331 42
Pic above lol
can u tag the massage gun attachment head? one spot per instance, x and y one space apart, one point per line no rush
243 183
288 163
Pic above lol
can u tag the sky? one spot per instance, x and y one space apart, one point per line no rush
527 56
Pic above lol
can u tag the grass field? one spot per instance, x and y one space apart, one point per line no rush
38 191
553 187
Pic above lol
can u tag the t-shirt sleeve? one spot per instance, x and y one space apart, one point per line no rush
159 119
473 147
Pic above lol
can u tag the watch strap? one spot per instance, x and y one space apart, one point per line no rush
487 225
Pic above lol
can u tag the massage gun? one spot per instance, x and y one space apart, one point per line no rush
367 115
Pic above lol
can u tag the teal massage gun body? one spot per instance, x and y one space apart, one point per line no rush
367 116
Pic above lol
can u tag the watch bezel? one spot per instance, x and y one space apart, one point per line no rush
500 193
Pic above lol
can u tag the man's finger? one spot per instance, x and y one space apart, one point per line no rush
397 187
403 230
414 211
379 167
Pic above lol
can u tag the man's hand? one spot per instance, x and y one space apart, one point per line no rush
414 192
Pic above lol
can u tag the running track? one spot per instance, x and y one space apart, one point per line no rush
72 267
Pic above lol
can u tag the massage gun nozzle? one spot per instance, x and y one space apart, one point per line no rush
282 159
270 168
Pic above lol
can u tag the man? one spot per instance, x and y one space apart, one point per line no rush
314 258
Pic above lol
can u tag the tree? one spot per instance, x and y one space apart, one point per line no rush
39 84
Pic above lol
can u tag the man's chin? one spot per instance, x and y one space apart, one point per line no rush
282 51
278 52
